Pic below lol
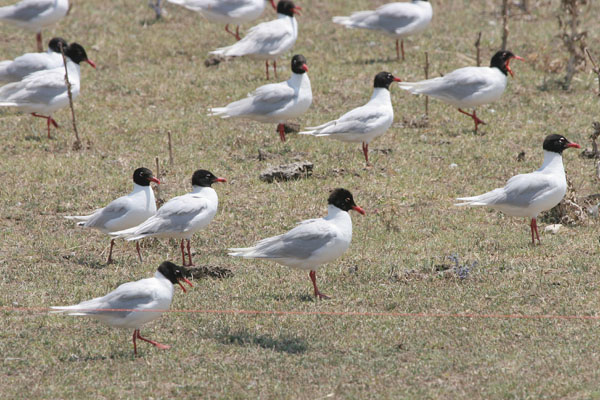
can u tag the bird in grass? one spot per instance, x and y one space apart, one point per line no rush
149 298
526 195
468 86
20 67
311 243
124 212
35 15
44 92
268 40
182 216
275 102
227 12
397 20
365 123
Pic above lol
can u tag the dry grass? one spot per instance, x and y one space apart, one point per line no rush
151 78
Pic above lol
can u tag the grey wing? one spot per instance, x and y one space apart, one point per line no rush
270 98
175 215
115 210
359 120
299 243
522 190
395 17
265 38
457 85
37 88
29 9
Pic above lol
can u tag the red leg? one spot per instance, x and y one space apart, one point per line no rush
313 278
189 253
534 229
402 48
159 345
137 247
182 252
135 333
275 68
237 33
49 120
365 147
474 116
38 37
110 260
281 129
267 68
230 32
397 50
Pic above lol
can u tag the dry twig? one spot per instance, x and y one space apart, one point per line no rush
77 144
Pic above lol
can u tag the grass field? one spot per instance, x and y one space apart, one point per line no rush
151 79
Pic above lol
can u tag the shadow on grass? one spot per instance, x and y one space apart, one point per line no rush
305 297
290 345
34 138
374 61
121 355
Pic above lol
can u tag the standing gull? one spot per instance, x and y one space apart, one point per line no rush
149 297
275 102
526 195
124 212
313 242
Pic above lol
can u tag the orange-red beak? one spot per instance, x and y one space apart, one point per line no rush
93 64
304 67
397 79
359 210
186 281
220 180
508 61
574 145
153 179
296 10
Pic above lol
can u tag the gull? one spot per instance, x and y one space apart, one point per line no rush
468 86
397 20
268 40
124 212
149 298
20 67
275 102
311 243
364 123
526 195
227 11
182 216
35 15
43 92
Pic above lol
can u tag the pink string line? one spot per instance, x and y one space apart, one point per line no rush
329 313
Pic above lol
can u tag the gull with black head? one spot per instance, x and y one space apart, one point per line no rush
365 123
526 195
182 216
268 40
133 304
124 212
469 87
20 67
275 102
44 92
313 242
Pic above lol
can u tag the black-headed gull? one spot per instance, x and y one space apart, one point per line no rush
126 211
182 216
20 67
35 15
269 40
365 123
526 195
397 20
151 296
43 92
234 12
311 243
468 86
275 102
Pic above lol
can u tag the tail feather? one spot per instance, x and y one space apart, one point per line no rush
315 130
69 310
241 251
218 111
